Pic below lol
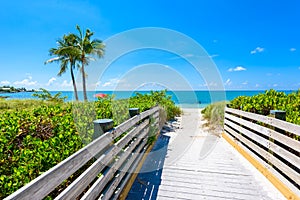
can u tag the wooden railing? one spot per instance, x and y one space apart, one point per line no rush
273 142
108 174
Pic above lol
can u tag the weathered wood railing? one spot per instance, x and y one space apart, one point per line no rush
108 173
271 141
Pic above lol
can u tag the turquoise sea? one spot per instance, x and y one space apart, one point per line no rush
181 98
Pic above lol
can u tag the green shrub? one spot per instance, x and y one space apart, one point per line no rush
36 135
46 95
271 100
146 101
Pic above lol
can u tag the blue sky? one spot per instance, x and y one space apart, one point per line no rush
255 45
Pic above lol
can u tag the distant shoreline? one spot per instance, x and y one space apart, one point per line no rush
11 89
5 92
184 98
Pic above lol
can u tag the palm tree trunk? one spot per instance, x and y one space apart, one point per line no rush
74 83
83 83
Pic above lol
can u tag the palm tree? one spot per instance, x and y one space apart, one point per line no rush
86 48
66 54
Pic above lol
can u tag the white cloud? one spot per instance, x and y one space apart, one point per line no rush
26 82
257 85
107 84
111 82
28 76
275 85
228 82
5 82
215 41
65 83
293 49
245 83
237 69
98 83
257 50
50 81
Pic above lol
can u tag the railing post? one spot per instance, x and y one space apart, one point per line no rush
134 111
101 126
278 114
281 115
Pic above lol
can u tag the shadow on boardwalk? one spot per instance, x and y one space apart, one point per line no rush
148 180
198 165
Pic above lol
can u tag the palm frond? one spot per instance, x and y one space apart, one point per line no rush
79 30
56 59
63 67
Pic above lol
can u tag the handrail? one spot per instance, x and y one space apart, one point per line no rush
134 141
277 150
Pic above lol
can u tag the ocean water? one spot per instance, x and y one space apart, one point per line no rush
187 99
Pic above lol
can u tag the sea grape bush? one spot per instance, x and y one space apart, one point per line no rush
147 101
34 139
271 100
32 142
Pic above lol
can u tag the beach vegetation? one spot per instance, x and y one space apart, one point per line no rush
263 103
36 135
44 94
214 114
146 101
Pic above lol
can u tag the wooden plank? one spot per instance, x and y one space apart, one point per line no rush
290 142
127 178
292 128
279 181
132 121
48 181
126 184
77 187
156 114
276 162
134 158
285 154
99 185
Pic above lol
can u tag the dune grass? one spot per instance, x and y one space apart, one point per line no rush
22 104
214 114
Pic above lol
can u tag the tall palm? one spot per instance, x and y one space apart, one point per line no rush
67 55
87 48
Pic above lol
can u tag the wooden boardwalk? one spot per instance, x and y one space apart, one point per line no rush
186 162
201 166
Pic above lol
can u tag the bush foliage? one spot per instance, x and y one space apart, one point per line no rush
271 100
259 104
36 135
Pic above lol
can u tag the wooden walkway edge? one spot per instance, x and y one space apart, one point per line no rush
209 168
